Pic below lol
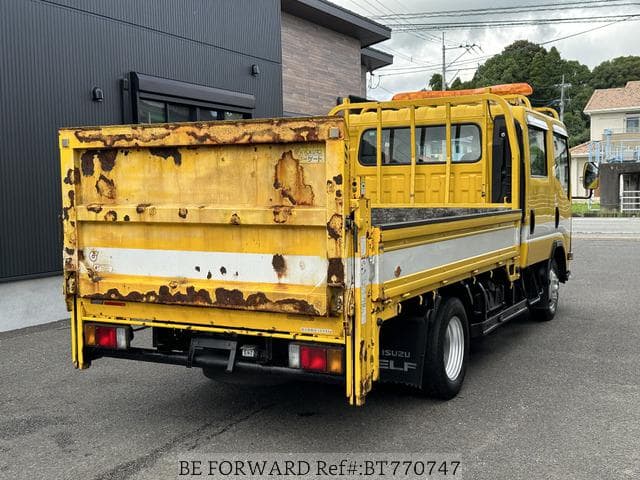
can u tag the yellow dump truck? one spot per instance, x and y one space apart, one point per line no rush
366 246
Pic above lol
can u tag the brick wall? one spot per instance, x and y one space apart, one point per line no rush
318 65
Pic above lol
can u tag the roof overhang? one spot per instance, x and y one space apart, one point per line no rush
613 110
338 19
374 59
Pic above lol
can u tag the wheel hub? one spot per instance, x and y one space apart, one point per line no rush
453 348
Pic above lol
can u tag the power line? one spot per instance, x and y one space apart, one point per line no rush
512 23
411 70
512 9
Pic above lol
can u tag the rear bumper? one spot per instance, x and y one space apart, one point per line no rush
206 359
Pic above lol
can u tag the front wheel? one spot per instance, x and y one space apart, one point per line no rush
546 309
447 351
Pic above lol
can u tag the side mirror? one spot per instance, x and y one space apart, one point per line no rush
590 177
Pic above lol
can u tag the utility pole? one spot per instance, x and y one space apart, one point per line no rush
444 65
468 48
562 86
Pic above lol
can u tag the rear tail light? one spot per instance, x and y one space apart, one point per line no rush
314 358
106 336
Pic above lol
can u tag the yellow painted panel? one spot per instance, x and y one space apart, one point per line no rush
204 237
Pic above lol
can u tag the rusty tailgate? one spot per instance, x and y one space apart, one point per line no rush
241 215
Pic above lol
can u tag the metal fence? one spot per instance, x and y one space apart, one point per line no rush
630 201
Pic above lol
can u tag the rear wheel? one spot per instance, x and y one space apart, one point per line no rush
546 309
447 351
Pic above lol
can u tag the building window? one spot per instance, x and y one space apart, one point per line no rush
561 160
430 145
160 100
153 111
633 124
537 152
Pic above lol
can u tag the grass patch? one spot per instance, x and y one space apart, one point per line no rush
580 209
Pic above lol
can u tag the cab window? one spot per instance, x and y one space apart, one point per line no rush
561 161
537 152
466 145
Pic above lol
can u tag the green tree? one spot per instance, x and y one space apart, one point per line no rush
436 82
456 84
523 61
616 72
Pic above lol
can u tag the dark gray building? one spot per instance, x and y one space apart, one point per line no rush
73 62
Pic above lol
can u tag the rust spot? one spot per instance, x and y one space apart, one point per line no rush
281 214
166 153
86 162
289 181
330 187
338 193
209 275
94 207
235 219
203 137
72 197
229 297
259 301
93 276
306 133
142 207
105 187
111 216
90 136
338 179
126 218
279 265
72 177
397 271
107 159
81 255
182 213
69 251
223 271
334 226
197 268
335 272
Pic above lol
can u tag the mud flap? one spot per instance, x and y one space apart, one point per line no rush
402 350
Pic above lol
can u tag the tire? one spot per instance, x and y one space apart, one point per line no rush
546 309
445 362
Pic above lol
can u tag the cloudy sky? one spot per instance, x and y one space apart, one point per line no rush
413 52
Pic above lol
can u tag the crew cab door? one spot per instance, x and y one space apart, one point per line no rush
540 198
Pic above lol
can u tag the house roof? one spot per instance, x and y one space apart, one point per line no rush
627 97
338 19
373 59
581 150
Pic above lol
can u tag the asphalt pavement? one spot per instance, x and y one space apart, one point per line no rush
557 400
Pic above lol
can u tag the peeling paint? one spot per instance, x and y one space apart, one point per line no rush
165 153
106 187
290 183
335 272
281 214
334 226
279 266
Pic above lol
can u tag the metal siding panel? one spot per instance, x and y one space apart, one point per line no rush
52 57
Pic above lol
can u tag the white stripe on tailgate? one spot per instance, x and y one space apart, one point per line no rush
221 266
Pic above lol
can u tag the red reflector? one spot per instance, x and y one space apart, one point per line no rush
106 337
111 302
314 359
